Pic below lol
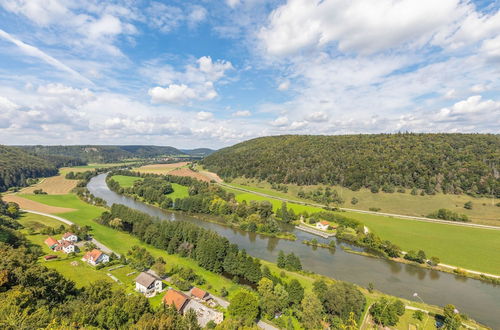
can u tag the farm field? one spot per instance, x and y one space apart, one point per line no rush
54 185
33 205
484 210
471 248
160 168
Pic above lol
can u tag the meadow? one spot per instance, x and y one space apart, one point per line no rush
484 210
471 248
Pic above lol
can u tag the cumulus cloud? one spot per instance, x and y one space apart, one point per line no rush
242 113
357 26
280 121
317 117
195 83
284 85
204 115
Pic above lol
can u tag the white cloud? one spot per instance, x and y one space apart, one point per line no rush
197 15
491 47
41 12
280 121
450 94
232 3
195 83
35 52
172 94
242 113
163 17
318 117
284 85
204 115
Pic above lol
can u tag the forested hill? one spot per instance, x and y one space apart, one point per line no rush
17 166
452 163
103 154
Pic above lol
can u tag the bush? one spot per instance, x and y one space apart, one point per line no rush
354 201
374 209
418 315
444 214
468 205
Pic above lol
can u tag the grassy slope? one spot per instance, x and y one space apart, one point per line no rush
484 210
471 248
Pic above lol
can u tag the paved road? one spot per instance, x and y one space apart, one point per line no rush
101 246
409 217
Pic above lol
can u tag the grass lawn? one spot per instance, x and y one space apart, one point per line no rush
126 181
407 320
471 248
484 210
179 191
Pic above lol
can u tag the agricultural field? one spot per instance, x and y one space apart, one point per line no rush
54 185
470 248
33 205
484 210
160 168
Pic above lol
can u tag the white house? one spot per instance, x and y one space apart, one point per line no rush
148 284
68 247
95 257
70 237
323 225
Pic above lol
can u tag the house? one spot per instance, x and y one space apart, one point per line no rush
176 298
323 225
183 304
52 243
95 257
68 247
199 293
70 237
148 284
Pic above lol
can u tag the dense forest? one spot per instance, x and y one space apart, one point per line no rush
17 167
449 163
104 154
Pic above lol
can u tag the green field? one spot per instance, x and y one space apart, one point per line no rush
128 181
465 247
484 210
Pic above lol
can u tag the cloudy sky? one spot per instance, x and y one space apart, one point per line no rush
210 73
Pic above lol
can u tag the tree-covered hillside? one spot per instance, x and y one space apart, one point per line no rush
451 163
103 154
17 166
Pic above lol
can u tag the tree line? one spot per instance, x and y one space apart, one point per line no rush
207 199
448 163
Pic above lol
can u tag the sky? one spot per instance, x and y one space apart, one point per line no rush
212 73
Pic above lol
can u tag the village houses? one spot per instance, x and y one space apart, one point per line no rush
322 225
148 284
70 237
95 257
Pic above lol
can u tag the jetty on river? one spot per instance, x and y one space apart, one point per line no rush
314 231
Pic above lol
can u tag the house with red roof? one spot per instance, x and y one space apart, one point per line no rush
52 243
323 225
68 247
198 293
176 298
95 257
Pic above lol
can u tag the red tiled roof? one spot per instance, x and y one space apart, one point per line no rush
66 243
50 257
51 241
68 234
92 255
178 299
325 223
198 293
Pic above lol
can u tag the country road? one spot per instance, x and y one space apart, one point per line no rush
101 246
401 216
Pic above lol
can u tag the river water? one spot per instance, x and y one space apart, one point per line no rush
479 300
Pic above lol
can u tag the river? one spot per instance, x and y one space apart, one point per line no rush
479 300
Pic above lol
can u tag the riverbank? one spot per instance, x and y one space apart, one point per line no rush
466 273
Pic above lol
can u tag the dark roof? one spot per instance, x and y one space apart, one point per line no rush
145 279
176 298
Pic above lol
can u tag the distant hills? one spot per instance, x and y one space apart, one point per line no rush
450 163
109 154
200 152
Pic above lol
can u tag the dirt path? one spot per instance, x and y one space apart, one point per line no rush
408 217
28 204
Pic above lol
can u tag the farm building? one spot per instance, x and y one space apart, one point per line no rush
148 284
95 257
198 293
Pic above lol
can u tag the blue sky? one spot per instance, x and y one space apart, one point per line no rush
214 73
